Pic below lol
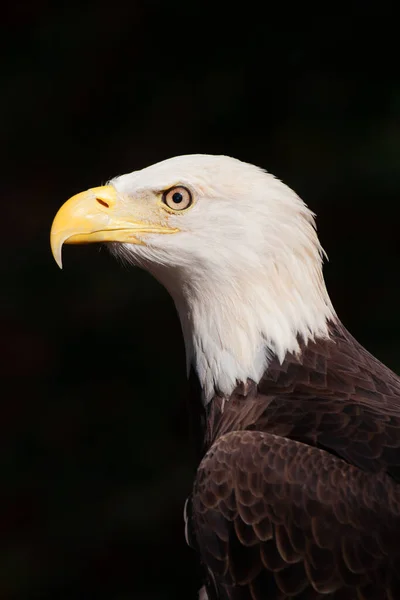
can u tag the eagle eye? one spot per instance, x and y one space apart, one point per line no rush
177 198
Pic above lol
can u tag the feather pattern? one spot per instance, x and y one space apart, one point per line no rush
297 495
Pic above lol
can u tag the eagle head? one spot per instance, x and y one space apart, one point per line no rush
236 248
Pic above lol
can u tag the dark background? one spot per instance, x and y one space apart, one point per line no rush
95 459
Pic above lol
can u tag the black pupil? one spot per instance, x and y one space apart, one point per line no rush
177 197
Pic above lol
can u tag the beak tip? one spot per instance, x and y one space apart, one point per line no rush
58 258
58 261
56 250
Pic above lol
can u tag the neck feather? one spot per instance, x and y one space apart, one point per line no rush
234 325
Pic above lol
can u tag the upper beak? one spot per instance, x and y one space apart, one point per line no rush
92 216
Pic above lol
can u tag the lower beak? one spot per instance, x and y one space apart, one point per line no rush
92 216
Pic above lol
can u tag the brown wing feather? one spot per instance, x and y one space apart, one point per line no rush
346 401
297 497
333 395
275 518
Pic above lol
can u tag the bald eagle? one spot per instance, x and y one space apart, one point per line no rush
297 492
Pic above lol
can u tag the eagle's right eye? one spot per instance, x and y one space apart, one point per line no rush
177 198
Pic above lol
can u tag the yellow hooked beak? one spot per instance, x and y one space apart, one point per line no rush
95 216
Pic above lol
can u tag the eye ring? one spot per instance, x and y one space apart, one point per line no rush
177 198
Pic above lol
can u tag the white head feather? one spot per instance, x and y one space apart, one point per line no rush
245 269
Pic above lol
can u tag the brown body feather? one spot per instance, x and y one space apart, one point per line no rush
297 494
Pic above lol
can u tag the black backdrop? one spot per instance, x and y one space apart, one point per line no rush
96 461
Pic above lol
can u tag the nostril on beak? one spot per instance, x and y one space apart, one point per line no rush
103 202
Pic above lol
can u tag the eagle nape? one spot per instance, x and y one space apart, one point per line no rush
297 493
